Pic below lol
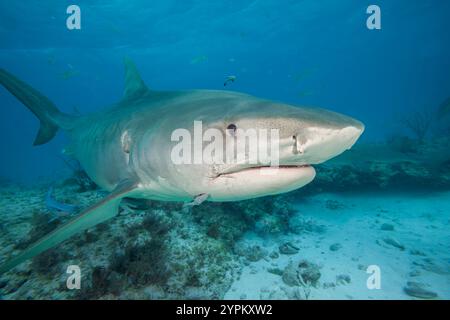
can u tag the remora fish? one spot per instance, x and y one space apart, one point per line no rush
126 149
58 208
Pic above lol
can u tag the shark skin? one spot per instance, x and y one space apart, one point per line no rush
126 149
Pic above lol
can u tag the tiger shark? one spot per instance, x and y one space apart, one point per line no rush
126 148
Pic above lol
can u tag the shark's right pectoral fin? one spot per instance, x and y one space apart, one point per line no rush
95 214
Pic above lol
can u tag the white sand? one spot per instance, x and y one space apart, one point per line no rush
421 222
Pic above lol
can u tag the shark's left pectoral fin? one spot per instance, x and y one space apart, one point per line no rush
95 214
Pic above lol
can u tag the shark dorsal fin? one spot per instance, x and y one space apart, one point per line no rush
134 85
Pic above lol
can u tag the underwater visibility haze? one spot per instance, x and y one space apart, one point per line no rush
138 186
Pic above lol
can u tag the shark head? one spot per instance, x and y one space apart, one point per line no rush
240 147
302 138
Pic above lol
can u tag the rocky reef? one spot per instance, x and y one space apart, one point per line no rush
152 250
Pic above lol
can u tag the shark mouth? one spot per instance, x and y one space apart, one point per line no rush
262 167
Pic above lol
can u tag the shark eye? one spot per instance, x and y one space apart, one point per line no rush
231 129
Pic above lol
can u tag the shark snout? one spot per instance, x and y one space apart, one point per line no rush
359 126
322 144
322 140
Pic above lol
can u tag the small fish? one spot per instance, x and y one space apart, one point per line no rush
300 76
229 80
199 59
69 74
198 200
305 93
58 209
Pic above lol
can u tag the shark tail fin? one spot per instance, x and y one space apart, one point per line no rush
50 117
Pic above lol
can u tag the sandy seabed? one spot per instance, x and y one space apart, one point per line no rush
338 237
406 236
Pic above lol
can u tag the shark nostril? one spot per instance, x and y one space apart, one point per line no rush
297 147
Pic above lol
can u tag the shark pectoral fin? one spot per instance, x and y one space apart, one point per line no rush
95 214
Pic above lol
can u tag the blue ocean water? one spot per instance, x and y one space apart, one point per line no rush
302 52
